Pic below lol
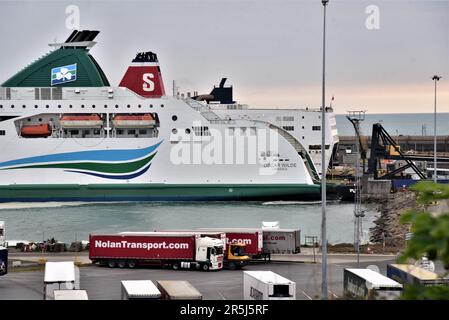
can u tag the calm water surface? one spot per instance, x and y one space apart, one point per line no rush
70 221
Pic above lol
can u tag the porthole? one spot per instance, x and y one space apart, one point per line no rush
47 106
93 106
24 106
174 131
59 106
151 106
36 106
40 119
188 131
82 106
70 106
12 106
162 105
139 106
1 106
28 119
116 106
128 106
174 118
105 106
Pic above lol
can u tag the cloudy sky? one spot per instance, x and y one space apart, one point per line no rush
270 50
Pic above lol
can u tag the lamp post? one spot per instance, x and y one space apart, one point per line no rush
323 166
435 78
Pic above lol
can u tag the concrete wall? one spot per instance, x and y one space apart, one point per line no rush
375 189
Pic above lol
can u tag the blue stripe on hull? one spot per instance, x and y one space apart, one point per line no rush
95 155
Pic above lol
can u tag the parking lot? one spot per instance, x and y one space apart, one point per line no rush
104 283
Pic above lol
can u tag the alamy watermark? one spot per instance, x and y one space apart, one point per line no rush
372 21
235 145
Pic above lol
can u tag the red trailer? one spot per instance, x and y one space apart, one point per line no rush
251 238
177 250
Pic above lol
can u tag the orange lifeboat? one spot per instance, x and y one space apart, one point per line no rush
81 121
134 121
36 131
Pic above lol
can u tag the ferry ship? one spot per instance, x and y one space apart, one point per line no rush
66 134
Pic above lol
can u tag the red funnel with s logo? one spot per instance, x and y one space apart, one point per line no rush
144 76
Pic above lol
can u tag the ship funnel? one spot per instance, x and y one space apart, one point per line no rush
144 76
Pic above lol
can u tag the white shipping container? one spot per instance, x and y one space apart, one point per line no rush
267 285
70 295
139 289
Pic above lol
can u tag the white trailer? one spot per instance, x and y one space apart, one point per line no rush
178 290
60 276
369 285
139 290
267 285
70 295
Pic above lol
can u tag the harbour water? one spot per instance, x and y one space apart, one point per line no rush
419 124
75 221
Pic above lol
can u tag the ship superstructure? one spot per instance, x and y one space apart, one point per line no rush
66 134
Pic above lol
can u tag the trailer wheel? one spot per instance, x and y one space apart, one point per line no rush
205 267
175 266
111 263
121 264
131 264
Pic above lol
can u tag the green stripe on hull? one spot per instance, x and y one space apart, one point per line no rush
94 166
158 192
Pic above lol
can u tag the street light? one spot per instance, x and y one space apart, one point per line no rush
435 79
323 166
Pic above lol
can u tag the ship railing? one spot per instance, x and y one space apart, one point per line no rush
207 112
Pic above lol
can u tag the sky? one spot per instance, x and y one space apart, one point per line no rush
380 55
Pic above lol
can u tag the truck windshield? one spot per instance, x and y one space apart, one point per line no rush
238 251
218 250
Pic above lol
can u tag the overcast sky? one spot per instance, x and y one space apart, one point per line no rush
269 50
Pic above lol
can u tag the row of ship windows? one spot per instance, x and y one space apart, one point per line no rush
290 118
82 106
292 128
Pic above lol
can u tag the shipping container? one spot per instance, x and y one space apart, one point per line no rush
267 285
410 274
367 284
251 238
60 276
139 290
282 241
70 295
178 290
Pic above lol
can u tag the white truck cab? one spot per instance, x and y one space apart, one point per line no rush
210 250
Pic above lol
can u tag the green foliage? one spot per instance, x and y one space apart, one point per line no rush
430 238
417 292
430 233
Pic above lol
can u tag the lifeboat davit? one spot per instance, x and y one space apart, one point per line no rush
81 121
36 131
134 121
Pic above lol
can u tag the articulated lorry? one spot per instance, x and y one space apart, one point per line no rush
236 255
166 249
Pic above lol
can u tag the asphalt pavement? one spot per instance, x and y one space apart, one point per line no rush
104 283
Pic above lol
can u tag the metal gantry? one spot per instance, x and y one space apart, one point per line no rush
356 117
